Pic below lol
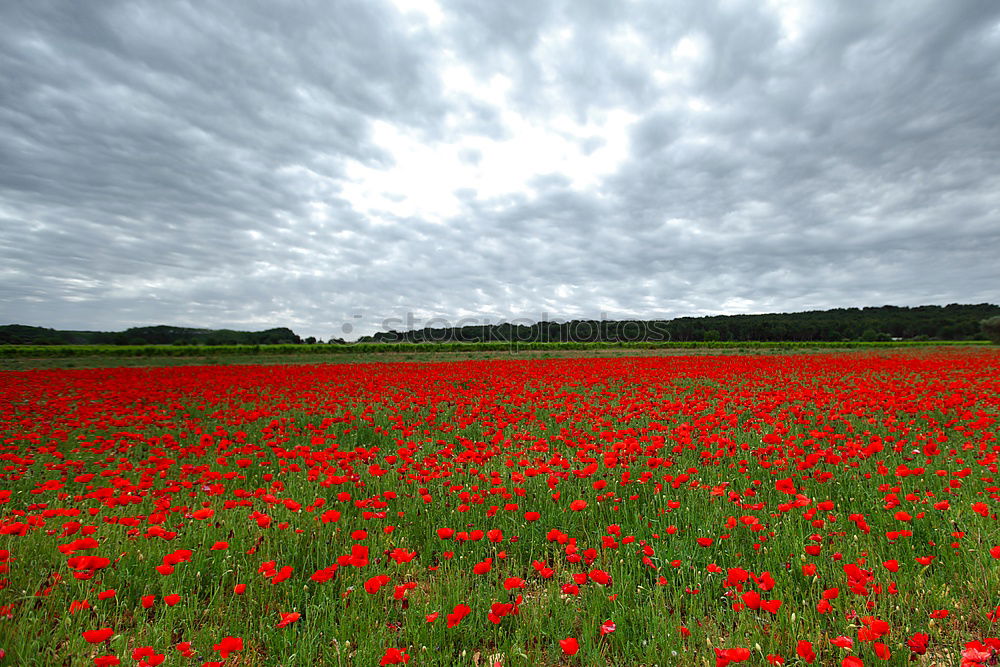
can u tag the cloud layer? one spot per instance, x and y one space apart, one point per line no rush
316 164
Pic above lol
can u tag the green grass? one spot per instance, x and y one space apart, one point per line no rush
23 357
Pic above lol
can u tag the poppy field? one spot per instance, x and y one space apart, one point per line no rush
828 509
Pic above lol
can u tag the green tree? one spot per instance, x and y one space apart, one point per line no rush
991 328
869 335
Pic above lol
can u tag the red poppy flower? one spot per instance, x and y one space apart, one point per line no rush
228 645
725 656
764 581
751 599
395 656
401 555
771 606
786 486
600 577
874 628
287 618
399 591
373 584
142 652
98 636
975 652
569 646
804 649
882 651
918 643
457 614
513 582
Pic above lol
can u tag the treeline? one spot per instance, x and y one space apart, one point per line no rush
884 323
957 322
19 334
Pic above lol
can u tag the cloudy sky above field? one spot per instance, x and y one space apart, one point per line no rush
311 164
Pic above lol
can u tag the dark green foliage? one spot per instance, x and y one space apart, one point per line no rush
19 334
885 323
991 328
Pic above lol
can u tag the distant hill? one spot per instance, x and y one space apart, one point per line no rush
951 322
19 334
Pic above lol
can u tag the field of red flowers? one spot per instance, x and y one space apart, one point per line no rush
829 509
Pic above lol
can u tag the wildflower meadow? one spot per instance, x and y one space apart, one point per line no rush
777 509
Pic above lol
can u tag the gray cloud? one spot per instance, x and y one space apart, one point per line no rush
300 163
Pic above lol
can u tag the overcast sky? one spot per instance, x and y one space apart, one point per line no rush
314 164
